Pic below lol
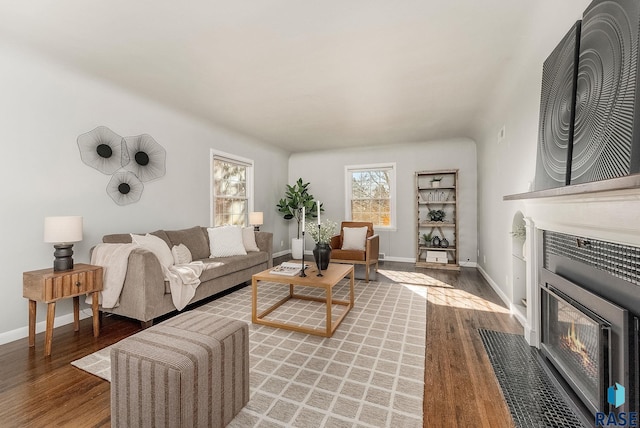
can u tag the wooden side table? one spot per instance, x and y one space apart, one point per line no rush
47 286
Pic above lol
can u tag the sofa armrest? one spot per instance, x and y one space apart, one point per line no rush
264 240
143 288
373 247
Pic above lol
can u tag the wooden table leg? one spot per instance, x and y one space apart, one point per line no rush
329 320
96 316
254 299
351 292
32 323
48 336
76 313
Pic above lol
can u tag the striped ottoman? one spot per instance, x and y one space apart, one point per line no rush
189 371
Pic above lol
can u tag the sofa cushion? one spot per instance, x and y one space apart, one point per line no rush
220 266
181 254
348 255
249 239
125 238
226 241
193 238
354 238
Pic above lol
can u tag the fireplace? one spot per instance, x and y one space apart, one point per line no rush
589 307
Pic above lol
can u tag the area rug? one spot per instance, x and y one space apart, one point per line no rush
369 374
533 399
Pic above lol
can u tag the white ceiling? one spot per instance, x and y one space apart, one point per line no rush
301 74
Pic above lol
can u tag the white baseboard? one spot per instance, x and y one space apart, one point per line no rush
281 253
503 297
495 287
22 332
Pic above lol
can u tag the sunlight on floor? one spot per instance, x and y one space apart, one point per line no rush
464 300
442 294
413 278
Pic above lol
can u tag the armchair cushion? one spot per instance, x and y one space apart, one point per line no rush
354 238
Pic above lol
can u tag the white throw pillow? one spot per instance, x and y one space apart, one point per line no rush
354 238
157 246
225 241
181 254
249 239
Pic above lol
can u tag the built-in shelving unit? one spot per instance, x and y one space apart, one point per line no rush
437 191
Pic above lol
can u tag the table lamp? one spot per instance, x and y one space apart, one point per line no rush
63 232
256 220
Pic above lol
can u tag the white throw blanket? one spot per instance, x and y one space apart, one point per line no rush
183 281
114 258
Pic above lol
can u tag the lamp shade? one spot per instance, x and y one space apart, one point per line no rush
255 218
63 229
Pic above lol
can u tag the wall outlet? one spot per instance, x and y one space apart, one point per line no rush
281 244
484 259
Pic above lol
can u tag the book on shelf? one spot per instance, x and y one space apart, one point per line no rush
288 268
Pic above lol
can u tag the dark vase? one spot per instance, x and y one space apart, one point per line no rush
322 254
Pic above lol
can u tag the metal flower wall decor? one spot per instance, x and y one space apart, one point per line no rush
130 160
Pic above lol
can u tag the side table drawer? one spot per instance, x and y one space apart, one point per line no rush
69 285
48 286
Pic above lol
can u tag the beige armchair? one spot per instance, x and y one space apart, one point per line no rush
367 257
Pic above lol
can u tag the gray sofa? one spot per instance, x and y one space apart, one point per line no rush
146 296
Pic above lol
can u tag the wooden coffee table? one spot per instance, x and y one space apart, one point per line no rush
334 273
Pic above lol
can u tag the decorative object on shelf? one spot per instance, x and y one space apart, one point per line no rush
297 197
444 243
148 158
519 232
103 150
435 181
605 138
435 242
256 219
63 232
426 237
555 137
436 215
321 235
125 188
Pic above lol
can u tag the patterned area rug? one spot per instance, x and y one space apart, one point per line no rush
369 374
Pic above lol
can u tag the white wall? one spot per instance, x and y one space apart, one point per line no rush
508 166
43 109
325 172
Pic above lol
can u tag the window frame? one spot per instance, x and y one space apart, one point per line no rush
348 174
229 157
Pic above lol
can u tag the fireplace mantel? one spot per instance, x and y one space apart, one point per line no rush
629 182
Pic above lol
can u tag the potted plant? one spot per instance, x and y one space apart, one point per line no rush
426 237
321 235
296 197
436 215
435 181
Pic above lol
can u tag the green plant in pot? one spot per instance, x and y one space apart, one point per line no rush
426 237
296 197
435 181
436 215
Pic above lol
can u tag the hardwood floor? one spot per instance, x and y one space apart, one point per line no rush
460 388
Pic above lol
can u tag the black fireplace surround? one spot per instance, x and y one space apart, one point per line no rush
589 315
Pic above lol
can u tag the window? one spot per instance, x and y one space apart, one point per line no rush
231 189
371 194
